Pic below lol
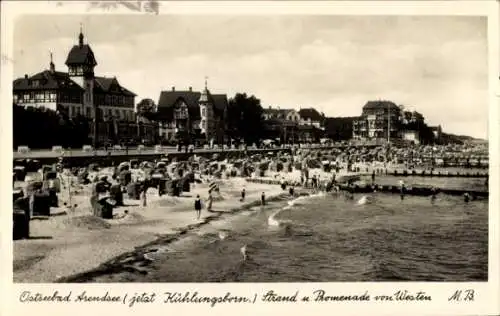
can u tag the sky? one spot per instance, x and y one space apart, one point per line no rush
435 65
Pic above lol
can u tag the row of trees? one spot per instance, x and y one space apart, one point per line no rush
44 128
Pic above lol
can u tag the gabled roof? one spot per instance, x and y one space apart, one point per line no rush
277 113
381 104
103 84
220 102
310 113
46 80
81 54
168 99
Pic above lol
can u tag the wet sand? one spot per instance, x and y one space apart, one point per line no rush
72 242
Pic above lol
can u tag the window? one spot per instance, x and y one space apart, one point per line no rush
39 96
88 111
203 111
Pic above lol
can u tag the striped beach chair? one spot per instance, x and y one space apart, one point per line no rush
213 187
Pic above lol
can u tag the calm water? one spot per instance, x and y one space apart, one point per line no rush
331 238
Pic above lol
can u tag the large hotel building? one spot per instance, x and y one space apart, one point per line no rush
79 92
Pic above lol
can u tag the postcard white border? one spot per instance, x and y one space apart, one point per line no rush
487 293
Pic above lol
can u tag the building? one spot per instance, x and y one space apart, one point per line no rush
289 115
79 92
311 117
191 116
378 120
290 127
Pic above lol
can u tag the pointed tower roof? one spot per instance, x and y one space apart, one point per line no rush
205 94
52 67
81 54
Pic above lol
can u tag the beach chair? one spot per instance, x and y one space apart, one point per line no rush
21 219
23 149
57 149
19 173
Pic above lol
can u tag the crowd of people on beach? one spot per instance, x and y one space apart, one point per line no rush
312 169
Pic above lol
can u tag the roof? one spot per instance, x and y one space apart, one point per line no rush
370 105
168 99
220 102
277 113
310 113
111 85
46 80
81 54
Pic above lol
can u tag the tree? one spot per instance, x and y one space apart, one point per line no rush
245 120
44 128
146 108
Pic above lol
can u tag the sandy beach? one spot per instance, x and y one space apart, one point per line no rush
73 241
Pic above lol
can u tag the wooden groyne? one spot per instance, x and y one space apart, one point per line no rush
409 190
428 173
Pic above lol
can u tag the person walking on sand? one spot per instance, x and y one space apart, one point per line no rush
263 199
210 201
243 193
197 206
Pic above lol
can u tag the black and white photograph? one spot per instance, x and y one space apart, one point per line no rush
251 148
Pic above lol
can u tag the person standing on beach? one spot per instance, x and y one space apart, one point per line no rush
144 197
402 189
283 184
433 195
373 177
263 199
314 181
197 206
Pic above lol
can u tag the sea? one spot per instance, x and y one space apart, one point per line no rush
329 237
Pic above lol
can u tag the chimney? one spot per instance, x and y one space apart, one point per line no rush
173 88
190 89
26 76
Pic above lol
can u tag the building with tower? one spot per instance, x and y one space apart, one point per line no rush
192 116
80 93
